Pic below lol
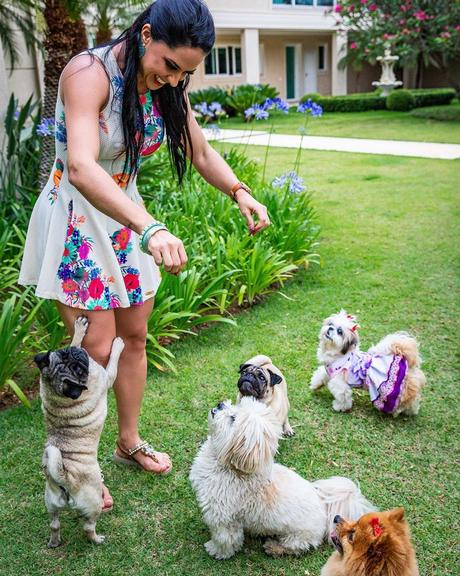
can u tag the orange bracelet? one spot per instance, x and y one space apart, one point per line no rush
239 186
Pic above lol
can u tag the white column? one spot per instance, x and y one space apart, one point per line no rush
339 50
250 55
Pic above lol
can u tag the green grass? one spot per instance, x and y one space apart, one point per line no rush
390 248
380 124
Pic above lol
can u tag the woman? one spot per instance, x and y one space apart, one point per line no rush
90 241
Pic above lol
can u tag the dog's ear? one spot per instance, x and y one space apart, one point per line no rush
254 441
243 367
350 342
274 378
42 360
397 514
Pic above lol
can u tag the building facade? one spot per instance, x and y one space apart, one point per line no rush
290 44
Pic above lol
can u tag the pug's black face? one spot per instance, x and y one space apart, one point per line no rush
65 371
256 381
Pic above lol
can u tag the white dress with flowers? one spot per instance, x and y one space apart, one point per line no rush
74 253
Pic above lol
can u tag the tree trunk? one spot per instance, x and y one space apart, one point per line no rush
419 75
64 38
103 35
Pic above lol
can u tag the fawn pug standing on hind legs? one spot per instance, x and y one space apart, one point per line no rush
73 389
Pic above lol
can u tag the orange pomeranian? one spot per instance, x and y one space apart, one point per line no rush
378 544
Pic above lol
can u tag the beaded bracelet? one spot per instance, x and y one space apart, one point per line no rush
147 232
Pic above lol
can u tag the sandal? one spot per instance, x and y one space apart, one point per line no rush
144 448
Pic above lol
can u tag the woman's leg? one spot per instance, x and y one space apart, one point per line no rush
131 325
97 342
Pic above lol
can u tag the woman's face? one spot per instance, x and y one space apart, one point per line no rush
162 65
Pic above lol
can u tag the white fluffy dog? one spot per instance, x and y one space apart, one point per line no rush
240 489
390 370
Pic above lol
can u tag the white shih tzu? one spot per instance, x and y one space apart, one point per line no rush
390 370
241 489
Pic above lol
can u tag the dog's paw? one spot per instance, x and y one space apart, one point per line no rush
217 552
98 539
81 324
274 548
118 345
288 431
340 406
54 542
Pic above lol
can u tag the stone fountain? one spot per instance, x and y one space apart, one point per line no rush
388 79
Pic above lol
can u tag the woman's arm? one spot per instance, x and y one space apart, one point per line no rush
85 91
218 173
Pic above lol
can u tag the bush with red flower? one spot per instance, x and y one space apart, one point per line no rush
420 32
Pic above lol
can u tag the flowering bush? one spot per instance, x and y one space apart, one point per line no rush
420 32
247 95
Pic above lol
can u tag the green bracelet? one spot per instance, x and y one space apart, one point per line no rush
147 232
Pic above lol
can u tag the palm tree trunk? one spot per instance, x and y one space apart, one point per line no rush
64 37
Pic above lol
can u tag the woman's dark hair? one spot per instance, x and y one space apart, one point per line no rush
176 23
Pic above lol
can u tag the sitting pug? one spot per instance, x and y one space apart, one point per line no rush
73 389
260 378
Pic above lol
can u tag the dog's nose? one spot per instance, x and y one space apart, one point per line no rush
337 519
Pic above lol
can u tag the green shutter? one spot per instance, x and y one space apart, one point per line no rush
290 72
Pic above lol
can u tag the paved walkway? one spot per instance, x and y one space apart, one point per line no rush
361 145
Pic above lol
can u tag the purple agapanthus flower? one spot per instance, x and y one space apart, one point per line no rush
250 112
312 107
202 108
46 127
277 103
216 108
261 114
215 130
292 180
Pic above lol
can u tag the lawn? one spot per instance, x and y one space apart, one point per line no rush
380 124
390 250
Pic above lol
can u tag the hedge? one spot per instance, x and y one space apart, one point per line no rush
400 100
363 101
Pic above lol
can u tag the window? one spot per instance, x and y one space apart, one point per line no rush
223 60
303 2
322 58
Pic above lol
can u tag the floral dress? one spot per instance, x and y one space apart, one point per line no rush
383 375
73 252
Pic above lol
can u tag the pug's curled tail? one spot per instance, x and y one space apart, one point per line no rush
52 463
340 496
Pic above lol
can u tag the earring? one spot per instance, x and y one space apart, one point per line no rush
141 48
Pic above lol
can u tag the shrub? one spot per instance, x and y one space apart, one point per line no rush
441 113
246 95
208 95
433 96
313 96
400 100
358 102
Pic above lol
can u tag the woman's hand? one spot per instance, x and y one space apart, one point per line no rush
168 250
248 206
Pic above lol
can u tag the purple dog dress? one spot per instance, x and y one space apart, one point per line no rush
382 375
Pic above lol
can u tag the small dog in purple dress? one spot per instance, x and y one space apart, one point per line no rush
390 371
